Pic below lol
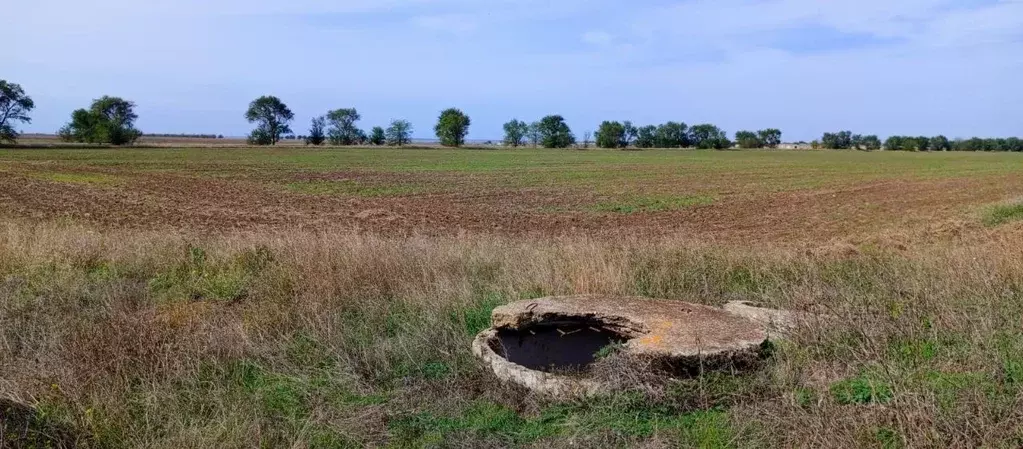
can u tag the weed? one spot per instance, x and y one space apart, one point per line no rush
888 438
861 390
1003 213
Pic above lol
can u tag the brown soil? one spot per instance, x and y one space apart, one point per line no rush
453 206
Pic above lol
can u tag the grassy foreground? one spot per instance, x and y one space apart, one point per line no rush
135 339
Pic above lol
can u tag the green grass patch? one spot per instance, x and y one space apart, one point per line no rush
499 425
78 178
861 390
637 204
350 188
198 276
888 438
1003 213
476 317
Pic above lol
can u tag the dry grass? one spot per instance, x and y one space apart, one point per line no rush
138 339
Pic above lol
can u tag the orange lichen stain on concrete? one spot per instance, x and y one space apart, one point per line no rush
651 340
656 336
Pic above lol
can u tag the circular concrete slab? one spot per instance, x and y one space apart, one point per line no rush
546 344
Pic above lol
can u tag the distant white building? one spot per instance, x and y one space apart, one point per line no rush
795 146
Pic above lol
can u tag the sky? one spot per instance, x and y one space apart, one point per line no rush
917 67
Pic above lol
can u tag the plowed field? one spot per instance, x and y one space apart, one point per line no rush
732 196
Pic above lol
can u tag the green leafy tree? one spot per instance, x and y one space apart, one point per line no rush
399 133
452 127
897 143
856 141
870 143
748 139
515 133
940 143
14 107
272 118
316 135
998 144
922 143
973 144
1014 144
707 136
631 133
770 137
534 134
646 137
841 140
109 120
341 129
673 135
611 135
377 136
555 133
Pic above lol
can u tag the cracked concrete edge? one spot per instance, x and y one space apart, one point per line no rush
777 322
538 381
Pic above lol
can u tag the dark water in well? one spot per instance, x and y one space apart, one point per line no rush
555 347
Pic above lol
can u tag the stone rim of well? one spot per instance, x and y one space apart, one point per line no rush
670 331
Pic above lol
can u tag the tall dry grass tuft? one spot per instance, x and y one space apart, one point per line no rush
141 339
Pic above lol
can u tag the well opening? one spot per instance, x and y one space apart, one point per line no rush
564 345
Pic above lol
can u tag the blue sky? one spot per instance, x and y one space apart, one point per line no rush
805 66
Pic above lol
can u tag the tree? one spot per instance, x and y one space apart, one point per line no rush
856 141
534 134
586 139
272 118
940 143
452 127
316 136
631 132
673 135
399 133
770 137
14 107
708 136
748 139
109 120
646 137
897 143
870 143
841 140
515 133
555 133
342 129
611 135
1014 144
377 136
922 143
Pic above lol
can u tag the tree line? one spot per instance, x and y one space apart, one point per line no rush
846 140
111 120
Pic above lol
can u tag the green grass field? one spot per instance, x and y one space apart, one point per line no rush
780 169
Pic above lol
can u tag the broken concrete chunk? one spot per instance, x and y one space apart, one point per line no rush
548 344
